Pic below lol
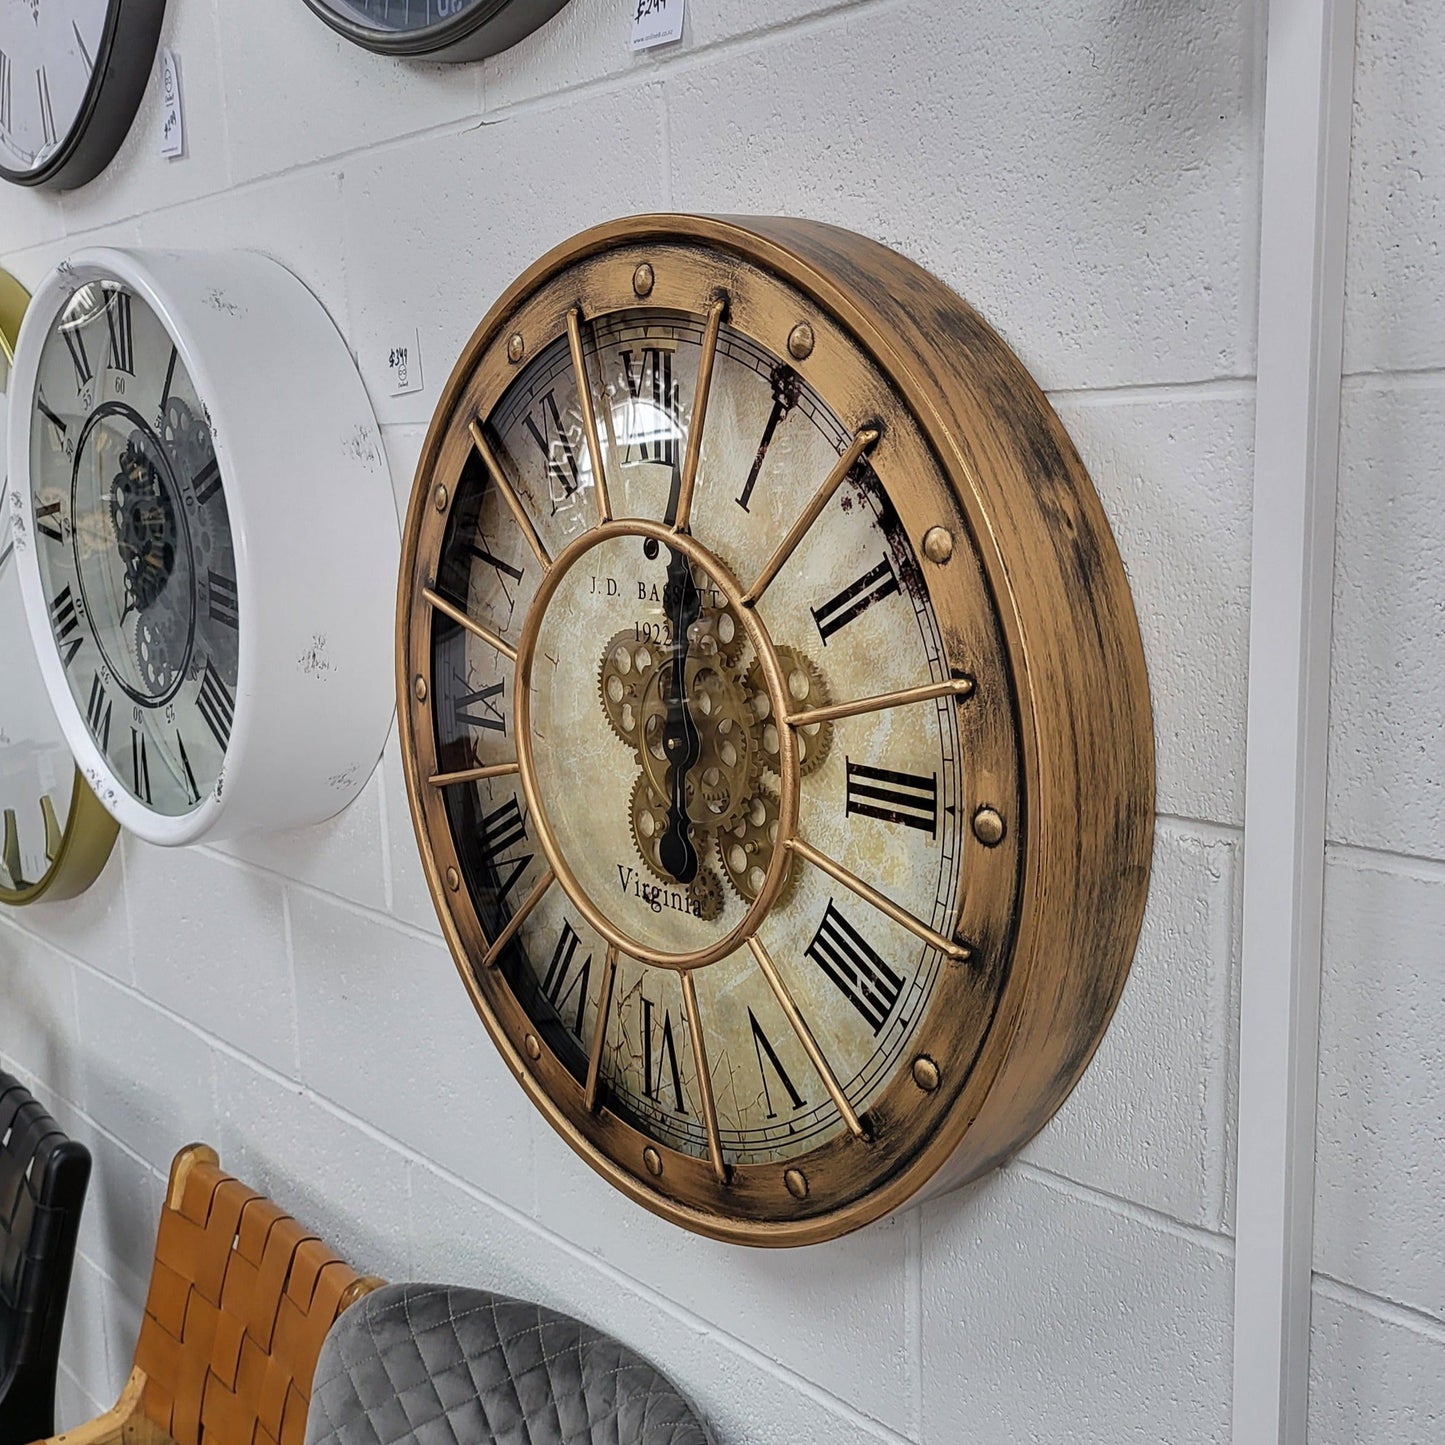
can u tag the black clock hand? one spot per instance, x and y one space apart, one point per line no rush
680 739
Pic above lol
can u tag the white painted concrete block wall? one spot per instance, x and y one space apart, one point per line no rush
1085 171
1378 1349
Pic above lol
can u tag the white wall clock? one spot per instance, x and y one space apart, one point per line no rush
72 73
54 836
436 29
208 525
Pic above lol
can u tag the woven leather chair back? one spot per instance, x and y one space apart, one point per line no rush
241 1298
43 1178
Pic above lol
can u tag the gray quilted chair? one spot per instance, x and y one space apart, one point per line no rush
428 1364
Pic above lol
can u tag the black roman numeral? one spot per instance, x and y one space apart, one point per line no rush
555 443
97 713
666 1056
122 336
225 605
502 829
47 113
556 984
192 791
489 717
66 626
7 113
906 798
140 768
652 433
75 344
853 601
207 481
482 555
6 553
170 377
84 53
855 966
787 386
216 705
52 417
48 522
763 1048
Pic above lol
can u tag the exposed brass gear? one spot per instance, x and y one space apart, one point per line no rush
746 850
707 893
649 823
626 668
807 688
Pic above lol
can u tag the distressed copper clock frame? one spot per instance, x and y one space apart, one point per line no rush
1046 671
79 851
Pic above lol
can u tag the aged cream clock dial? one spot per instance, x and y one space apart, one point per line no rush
776 722
72 74
188 428
54 836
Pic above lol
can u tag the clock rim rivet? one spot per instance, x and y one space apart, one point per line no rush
442 497
516 347
419 689
925 1074
801 341
532 1047
644 278
938 545
454 879
796 1183
989 827
653 1161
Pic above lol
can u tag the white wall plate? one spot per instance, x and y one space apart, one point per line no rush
206 540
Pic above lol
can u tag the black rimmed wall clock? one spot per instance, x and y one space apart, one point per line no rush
72 74
436 29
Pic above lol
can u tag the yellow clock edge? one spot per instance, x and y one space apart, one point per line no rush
90 832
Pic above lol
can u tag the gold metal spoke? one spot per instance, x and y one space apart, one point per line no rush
54 833
800 1027
955 687
471 624
518 918
474 775
704 1080
589 414
957 952
864 441
599 1036
10 851
682 521
509 494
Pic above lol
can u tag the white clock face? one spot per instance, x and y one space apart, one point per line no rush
134 547
675 857
48 51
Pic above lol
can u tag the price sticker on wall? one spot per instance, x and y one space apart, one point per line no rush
173 119
403 364
655 22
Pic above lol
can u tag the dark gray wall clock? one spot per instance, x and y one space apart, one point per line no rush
436 29
72 74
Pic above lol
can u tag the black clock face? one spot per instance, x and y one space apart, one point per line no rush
439 29
72 73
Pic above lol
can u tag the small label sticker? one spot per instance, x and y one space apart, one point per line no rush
656 22
403 365
173 118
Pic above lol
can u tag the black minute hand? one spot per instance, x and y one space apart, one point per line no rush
680 736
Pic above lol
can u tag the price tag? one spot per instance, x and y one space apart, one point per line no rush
656 22
173 119
403 364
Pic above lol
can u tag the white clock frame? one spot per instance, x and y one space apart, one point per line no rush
297 442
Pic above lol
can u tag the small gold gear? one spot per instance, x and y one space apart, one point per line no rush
627 667
746 851
807 688
649 823
707 893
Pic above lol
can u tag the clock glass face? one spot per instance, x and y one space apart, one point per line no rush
657 747
404 16
47 63
134 547
37 772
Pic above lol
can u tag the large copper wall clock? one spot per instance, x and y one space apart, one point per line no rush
54 835
775 720
436 29
72 75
